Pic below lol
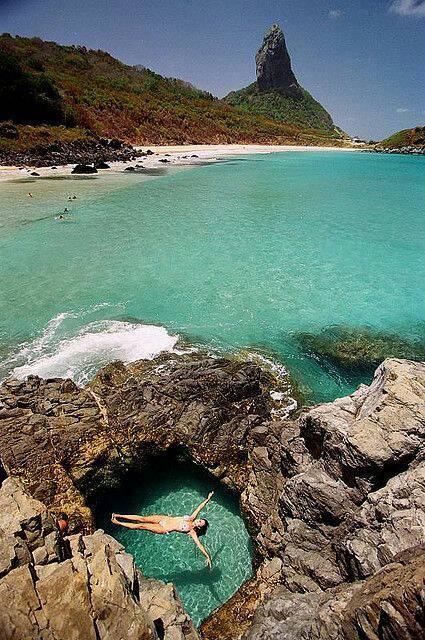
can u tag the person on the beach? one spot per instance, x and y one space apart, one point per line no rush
29 194
60 217
66 210
189 525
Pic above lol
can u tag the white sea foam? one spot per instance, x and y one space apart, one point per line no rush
93 345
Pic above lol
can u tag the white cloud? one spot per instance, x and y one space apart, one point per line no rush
411 8
402 110
335 14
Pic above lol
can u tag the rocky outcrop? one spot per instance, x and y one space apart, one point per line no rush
407 150
84 151
66 443
84 587
334 498
390 605
276 93
274 70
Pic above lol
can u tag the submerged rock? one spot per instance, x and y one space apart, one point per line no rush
334 499
358 350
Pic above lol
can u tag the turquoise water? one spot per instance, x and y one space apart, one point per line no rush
241 255
173 489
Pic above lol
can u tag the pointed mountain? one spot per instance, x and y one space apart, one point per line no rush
276 93
274 69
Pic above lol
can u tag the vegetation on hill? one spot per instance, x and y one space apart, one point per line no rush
405 138
300 109
75 86
27 97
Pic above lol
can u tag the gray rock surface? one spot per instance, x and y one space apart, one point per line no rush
94 593
273 63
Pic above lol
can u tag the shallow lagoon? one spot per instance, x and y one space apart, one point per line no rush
242 255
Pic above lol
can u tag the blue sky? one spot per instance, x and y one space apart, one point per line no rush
363 59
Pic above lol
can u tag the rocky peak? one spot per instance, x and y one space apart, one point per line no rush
274 69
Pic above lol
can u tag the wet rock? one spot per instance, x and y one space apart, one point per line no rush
34 173
102 165
84 169
132 169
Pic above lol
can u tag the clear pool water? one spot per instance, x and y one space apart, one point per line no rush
239 255
175 489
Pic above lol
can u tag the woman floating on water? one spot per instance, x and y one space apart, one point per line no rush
190 525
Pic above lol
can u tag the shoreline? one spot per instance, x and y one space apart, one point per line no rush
176 155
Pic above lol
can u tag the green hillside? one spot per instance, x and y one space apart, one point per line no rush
302 110
405 138
43 83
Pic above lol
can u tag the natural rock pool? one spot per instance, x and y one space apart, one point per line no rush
174 488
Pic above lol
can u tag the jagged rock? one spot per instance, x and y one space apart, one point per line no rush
387 606
374 433
389 521
64 441
331 498
276 93
273 63
102 165
96 593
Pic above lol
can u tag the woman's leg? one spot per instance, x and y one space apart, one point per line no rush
143 526
153 518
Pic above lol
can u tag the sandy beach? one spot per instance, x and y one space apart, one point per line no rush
176 155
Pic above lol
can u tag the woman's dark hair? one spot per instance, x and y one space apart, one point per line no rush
202 529
63 516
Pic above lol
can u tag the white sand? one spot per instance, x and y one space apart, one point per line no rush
177 155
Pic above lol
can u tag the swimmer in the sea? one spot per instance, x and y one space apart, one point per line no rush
190 525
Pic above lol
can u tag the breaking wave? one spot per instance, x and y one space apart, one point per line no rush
56 353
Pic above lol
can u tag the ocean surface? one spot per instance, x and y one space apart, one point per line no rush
176 490
239 257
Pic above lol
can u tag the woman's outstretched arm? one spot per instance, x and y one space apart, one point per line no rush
200 546
201 506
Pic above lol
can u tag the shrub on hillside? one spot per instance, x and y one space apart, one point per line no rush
26 97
